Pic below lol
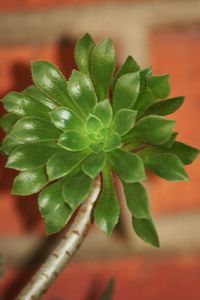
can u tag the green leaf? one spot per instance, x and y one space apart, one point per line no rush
137 202
63 162
165 107
108 292
127 165
129 66
29 182
94 164
9 143
126 91
93 124
167 166
102 65
30 156
152 130
51 82
53 207
103 110
73 141
144 76
76 189
82 52
124 121
113 142
107 210
33 129
82 92
146 230
22 105
97 148
66 119
33 92
8 121
159 85
145 99
186 153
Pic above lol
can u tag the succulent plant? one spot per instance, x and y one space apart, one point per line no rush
61 133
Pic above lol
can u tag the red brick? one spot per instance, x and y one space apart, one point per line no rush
39 4
147 278
175 51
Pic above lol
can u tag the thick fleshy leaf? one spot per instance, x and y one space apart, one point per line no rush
137 202
165 107
145 99
33 92
82 52
73 141
144 76
107 210
128 166
93 124
94 164
113 142
152 130
22 105
10 143
186 153
102 65
171 140
63 162
76 189
33 129
126 91
159 85
29 182
8 121
146 230
65 119
103 110
81 90
51 81
124 121
53 207
30 156
108 292
96 148
129 66
167 166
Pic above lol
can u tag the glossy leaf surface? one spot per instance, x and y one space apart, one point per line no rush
53 207
76 188
102 67
33 129
94 164
167 166
63 162
137 202
107 210
82 52
126 91
29 182
128 166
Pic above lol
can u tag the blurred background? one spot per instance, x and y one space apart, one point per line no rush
163 34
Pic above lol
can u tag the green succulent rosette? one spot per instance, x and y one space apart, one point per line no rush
60 134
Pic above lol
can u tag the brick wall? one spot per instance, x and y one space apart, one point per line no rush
164 34
172 50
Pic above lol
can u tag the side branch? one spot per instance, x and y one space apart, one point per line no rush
61 255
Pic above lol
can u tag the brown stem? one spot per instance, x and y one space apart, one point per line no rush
64 251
